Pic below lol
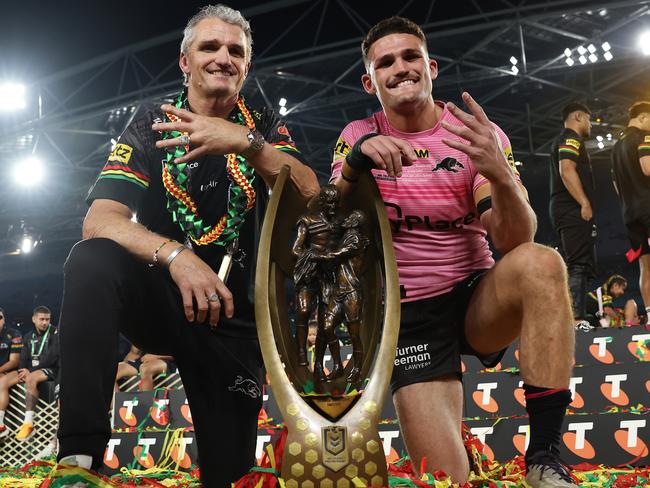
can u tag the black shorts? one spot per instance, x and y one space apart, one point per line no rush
638 232
432 337
51 373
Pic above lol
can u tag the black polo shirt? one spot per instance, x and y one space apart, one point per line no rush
633 186
11 342
133 176
570 145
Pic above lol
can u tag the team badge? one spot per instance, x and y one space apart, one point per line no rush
572 142
121 154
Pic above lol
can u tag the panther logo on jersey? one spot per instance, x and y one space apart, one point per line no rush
449 164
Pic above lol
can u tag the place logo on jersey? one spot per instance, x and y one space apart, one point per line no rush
611 389
599 349
639 346
572 142
576 439
646 139
627 437
412 220
341 149
449 164
483 397
121 154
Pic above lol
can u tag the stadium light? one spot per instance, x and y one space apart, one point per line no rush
591 48
282 102
644 42
581 50
608 56
601 145
27 245
599 138
567 52
283 110
12 97
606 46
513 60
569 61
29 172
514 69
582 60
593 57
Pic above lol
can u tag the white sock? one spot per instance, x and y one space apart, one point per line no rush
81 460
647 310
29 416
2 417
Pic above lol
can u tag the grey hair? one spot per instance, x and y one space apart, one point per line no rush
220 11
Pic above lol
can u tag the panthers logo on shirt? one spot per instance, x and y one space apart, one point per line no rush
121 154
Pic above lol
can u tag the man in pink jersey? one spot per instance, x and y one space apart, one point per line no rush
447 183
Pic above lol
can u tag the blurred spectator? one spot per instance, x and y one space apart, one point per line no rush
147 365
39 362
612 289
11 343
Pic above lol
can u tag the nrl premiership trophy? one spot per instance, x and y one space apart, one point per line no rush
335 261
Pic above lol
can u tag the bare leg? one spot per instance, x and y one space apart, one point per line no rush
6 382
430 416
124 370
31 388
644 279
631 312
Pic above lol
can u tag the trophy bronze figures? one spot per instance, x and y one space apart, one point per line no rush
335 260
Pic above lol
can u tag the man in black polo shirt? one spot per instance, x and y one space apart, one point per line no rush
572 187
197 175
11 343
631 172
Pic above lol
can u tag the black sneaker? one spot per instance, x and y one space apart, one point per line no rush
545 470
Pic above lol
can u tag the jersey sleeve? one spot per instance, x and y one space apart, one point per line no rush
644 147
570 148
506 148
277 134
16 343
127 173
343 146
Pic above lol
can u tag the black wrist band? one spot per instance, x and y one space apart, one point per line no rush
356 159
348 179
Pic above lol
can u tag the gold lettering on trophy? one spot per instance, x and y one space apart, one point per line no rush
335 451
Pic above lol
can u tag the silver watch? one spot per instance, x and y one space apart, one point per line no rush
255 143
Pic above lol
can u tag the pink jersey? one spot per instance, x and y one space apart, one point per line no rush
438 236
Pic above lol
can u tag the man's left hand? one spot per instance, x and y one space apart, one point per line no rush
482 144
208 135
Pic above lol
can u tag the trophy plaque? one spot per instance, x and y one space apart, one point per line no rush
330 262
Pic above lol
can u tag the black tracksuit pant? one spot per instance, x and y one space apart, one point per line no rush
108 291
578 239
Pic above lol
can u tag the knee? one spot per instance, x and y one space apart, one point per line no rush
93 257
147 370
631 304
538 263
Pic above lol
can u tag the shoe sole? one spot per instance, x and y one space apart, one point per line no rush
27 438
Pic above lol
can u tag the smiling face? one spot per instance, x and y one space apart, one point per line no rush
218 59
400 72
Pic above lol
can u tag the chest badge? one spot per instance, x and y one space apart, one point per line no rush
449 164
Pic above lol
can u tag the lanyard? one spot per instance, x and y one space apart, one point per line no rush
43 341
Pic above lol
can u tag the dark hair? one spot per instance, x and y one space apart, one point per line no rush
391 25
614 280
2 311
569 108
638 108
41 309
